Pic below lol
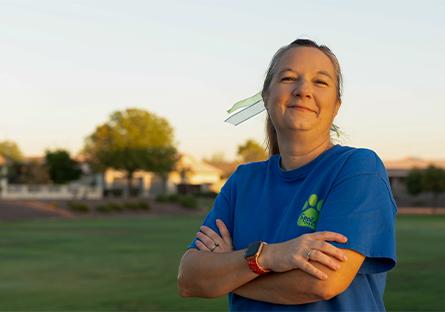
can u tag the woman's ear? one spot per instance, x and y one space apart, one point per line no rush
337 107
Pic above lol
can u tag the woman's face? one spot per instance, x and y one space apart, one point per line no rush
302 94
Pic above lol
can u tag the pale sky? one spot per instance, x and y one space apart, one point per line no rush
65 66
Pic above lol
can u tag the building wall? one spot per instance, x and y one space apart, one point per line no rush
23 191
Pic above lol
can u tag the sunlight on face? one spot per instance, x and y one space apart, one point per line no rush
302 95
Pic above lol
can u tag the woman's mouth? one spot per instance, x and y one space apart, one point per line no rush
301 108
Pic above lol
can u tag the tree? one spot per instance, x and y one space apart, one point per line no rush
414 182
11 151
251 151
16 170
61 167
431 179
30 172
133 140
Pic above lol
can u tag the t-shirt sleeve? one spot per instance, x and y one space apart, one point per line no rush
222 209
362 208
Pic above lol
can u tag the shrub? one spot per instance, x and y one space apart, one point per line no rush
208 194
188 201
139 205
167 198
102 208
108 207
78 207
162 198
115 207
143 205
174 198
131 206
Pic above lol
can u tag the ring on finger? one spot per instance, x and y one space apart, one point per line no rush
308 253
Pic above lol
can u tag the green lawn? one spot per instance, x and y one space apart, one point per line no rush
131 265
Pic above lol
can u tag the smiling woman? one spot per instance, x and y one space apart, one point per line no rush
311 228
324 75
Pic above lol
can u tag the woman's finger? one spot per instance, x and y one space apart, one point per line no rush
322 258
330 249
211 234
209 243
329 236
307 267
201 246
224 231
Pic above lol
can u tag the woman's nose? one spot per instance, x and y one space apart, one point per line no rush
302 89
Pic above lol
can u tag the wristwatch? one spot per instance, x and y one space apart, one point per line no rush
252 254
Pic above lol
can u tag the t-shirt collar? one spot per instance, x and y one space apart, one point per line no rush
302 171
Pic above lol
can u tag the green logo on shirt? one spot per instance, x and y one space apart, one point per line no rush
310 212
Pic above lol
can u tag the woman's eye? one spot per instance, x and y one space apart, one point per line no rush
321 82
288 79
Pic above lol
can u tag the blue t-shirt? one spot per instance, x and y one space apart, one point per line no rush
344 190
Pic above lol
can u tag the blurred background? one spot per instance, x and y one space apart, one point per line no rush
113 143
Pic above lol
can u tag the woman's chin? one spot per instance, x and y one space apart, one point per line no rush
293 131
298 126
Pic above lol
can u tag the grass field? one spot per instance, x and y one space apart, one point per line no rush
131 265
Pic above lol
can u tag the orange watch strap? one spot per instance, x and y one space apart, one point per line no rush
253 264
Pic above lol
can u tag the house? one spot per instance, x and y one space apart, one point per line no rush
89 187
190 175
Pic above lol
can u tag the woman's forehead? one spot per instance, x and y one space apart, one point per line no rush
305 59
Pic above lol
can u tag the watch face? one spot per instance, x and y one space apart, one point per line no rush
252 249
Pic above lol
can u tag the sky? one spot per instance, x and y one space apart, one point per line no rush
65 66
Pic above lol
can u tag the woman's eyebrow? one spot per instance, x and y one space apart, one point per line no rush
322 72
285 70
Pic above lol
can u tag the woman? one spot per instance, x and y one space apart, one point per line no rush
311 228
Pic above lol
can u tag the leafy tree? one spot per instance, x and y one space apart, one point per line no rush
251 151
16 170
414 182
11 151
30 172
431 180
133 140
61 167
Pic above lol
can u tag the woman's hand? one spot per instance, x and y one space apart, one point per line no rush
209 240
296 253
285 256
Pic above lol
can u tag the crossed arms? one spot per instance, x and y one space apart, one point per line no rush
213 274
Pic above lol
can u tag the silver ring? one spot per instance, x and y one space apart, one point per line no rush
308 254
214 247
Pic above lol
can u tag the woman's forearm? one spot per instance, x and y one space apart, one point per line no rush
208 274
291 287
298 287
